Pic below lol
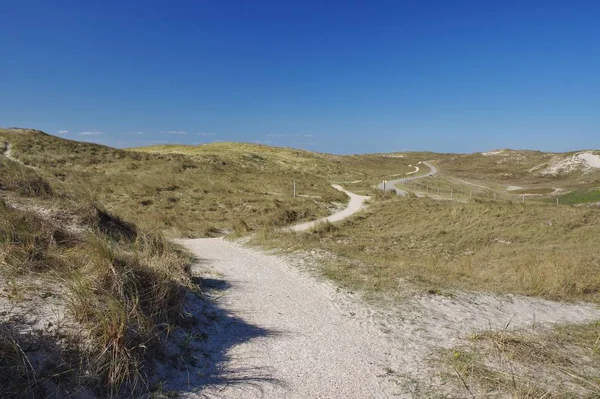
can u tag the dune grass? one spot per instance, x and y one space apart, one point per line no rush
119 285
531 249
89 220
533 191
519 168
563 362
203 190
176 193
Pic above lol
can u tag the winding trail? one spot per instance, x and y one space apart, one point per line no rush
285 332
355 205
8 154
390 185
414 171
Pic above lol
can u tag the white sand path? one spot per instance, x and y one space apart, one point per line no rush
357 203
289 333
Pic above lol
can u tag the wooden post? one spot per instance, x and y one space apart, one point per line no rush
523 198
294 189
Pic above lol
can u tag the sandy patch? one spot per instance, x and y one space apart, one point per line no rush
584 161
495 153
291 334
592 160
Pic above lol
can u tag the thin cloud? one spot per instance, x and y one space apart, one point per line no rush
62 132
289 135
204 134
303 143
90 133
176 132
136 133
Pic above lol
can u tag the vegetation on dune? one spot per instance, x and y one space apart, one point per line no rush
203 190
64 231
521 168
531 249
357 172
581 196
84 224
504 166
117 286
497 363
179 194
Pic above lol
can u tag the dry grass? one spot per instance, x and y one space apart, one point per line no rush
518 168
103 242
530 249
121 286
178 194
560 363
203 190
16 372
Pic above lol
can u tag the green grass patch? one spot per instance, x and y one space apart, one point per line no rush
581 196
533 191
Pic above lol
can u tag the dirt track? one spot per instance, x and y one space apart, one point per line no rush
287 333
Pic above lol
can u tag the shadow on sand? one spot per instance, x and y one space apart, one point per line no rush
200 360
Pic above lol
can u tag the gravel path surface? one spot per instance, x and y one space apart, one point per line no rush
285 332
292 336
355 205
390 185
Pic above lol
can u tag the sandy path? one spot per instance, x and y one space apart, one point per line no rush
390 185
414 171
288 333
8 154
355 205
310 345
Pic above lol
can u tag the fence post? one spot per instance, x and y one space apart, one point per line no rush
523 198
294 189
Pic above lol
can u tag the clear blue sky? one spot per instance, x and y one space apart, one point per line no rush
334 76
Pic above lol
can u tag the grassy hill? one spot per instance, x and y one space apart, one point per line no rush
83 293
82 240
528 172
90 288
204 190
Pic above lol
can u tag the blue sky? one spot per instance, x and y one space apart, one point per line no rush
333 76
